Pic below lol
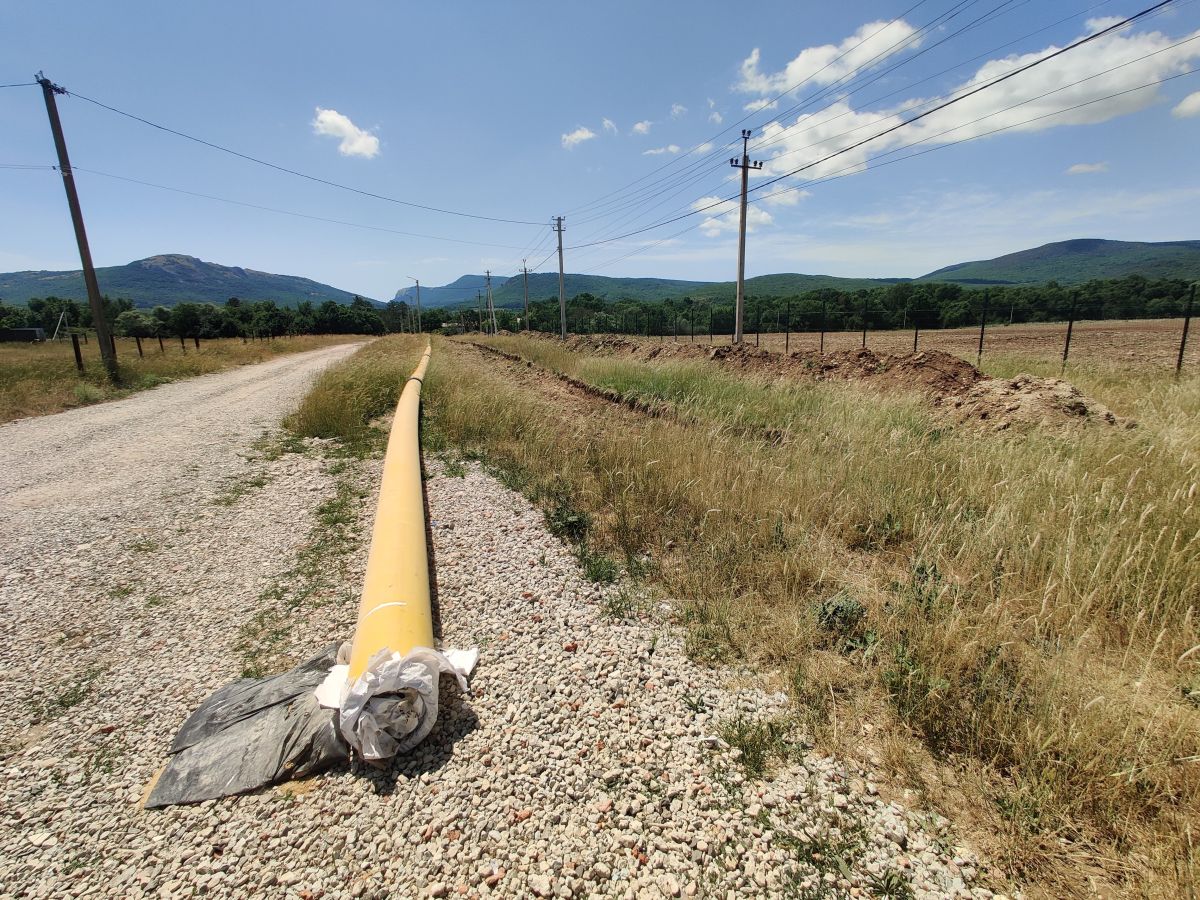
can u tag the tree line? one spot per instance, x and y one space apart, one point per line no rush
905 304
234 318
902 305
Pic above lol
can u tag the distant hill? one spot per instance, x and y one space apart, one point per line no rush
1077 261
170 279
509 294
459 291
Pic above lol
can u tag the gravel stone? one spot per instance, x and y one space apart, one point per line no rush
577 765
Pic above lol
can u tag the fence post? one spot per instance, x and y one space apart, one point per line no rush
692 323
675 325
112 342
161 348
787 326
85 339
196 338
916 333
982 326
710 324
823 302
865 301
1070 328
1187 320
78 355
757 326
139 346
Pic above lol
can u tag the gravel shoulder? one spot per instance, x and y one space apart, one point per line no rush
159 549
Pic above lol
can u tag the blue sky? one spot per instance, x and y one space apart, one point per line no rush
528 110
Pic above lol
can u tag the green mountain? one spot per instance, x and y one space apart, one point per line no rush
509 294
1074 262
169 279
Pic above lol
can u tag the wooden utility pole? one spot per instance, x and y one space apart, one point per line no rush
491 305
95 303
982 327
420 327
562 291
745 165
1187 321
525 272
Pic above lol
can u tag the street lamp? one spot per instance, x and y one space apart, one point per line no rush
418 281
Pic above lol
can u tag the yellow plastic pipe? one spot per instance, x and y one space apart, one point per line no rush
395 610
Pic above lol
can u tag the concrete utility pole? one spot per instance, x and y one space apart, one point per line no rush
525 272
745 165
562 292
420 330
491 305
95 303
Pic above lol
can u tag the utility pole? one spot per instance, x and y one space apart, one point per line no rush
562 291
420 330
745 165
95 303
525 272
491 306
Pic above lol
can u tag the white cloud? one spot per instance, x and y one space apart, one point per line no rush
677 110
723 217
823 65
578 136
703 148
659 151
354 140
1189 106
642 127
1087 168
1015 104
760 104
791 198
610 126
715 117
1091 26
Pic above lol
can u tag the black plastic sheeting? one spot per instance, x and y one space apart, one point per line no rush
253 733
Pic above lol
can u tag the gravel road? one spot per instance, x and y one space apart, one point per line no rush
155 548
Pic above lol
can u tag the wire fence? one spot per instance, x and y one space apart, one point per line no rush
1076 329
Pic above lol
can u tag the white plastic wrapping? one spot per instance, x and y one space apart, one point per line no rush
393 705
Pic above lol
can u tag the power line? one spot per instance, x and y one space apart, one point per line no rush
20 84
285 169
956 99
288 212
971 93
733 125
835 86
856 169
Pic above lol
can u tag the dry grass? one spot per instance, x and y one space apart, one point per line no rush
1029 627
347 397
36 379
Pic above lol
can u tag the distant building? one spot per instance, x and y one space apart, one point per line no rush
25 335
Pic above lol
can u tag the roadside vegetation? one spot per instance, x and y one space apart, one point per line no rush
1007 622
347 399
36 379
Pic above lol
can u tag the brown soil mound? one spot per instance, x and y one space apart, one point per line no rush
950 382
1026 399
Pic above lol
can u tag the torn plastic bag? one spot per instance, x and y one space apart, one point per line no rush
393 705
253 733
